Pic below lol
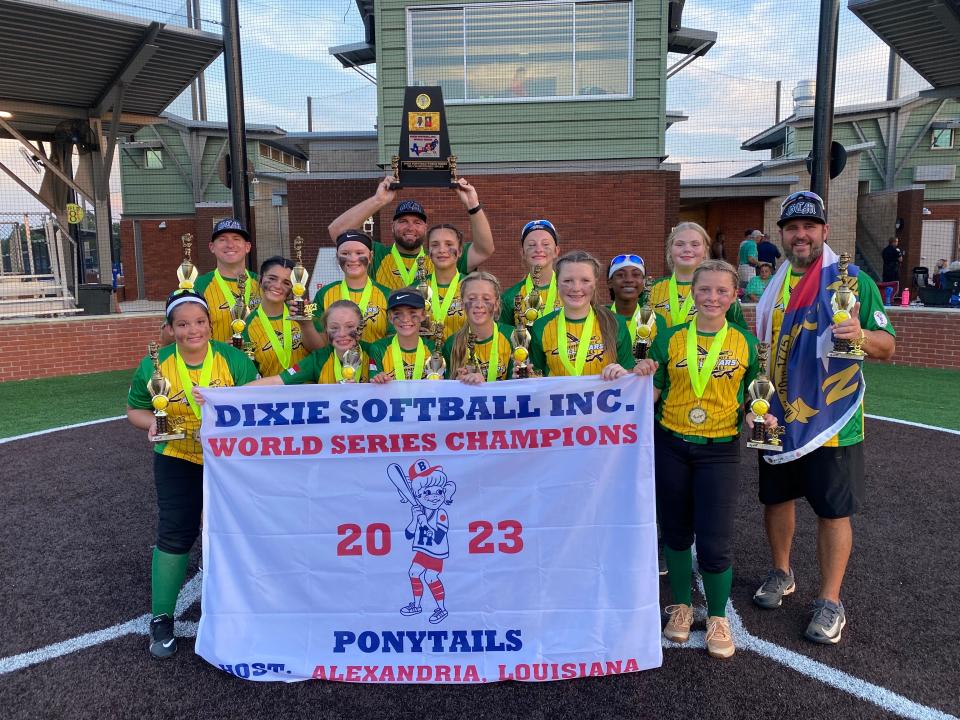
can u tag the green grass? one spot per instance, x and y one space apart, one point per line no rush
917 394
29 405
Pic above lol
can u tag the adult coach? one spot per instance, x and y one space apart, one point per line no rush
394 266
820 403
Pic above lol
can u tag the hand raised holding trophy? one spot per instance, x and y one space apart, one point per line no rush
760 392
159 388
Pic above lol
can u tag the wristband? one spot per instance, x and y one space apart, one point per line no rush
475 210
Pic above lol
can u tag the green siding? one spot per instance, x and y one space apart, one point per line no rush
535 131
161 191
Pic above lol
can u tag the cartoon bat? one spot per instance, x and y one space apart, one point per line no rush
400 482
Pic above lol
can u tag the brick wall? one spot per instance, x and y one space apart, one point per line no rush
75 346
732 217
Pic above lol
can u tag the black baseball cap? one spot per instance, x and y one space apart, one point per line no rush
354 236
405 297
410 207
803 205
229 225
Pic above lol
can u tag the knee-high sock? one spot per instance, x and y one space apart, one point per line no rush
679 567
417 585
436 588
717 586
168 573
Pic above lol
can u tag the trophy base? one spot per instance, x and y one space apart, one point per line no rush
169 436
764 446
859 357
396 186
301 318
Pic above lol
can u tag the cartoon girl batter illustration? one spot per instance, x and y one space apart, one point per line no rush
427 489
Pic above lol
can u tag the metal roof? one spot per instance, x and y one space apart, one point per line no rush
925 33
60 61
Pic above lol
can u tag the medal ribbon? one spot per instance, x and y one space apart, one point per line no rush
440 313
397 354
549 305
228 294
582 346
677 313
283 348
406 275
785 296
206 370
364 296
493 361
632 322
700 376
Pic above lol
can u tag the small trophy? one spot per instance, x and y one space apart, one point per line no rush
159 389
423 287
473 362
520 339
645 325
350 362
436 365
299 277
533 301
187 272
842 303
239 312
760 391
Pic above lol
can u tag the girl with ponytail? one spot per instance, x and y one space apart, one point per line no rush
480 296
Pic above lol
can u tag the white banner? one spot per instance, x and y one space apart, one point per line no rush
430 531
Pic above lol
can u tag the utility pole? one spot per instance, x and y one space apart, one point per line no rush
779 93
823 109
893 120
236 126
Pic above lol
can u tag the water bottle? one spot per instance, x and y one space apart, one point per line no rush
905 297
888 295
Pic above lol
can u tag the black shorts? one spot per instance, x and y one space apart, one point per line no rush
830 478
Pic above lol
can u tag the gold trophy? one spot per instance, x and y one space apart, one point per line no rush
520 339
436 365
473 362
299 277
645 325
239 312
842 303
760 391
423 287
187 272
159 389
533 300
350 362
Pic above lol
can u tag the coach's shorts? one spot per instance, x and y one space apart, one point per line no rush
830 478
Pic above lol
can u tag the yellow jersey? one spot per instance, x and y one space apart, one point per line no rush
375 324
545 353
265 340
220 305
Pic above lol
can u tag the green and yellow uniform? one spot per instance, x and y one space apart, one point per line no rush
277 346
659 297
545 352
388 273
374 299
634 318
220 293
873 316
447 305
484 349
549 298
228 367
323 368
722 399
382 355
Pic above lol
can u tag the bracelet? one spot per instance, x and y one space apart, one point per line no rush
475 210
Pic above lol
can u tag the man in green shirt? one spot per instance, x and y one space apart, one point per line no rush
747 257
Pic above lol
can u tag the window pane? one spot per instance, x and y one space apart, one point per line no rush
603 48
519 50
942 138
154 159
437 50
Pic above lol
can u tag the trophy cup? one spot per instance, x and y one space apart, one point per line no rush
842 303
159 389
299 277
423 287
533 301
520 339
239 312
436 365
645 325
350 362
187 272
760 391
473 362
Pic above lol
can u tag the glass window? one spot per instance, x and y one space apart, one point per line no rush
942 139
512 52
153 159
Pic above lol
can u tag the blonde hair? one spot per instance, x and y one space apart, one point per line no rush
609 330
458 351
716 266
682 227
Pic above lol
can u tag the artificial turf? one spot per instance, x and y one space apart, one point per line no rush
923 395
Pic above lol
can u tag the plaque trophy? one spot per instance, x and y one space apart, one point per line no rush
423 287
533 301
760 391
645 325
436 366
473 362
299 309
239 312
425 159
159 389
842 303
520 339
187 272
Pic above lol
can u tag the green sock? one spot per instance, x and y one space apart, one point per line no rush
679 567
716 586
167 576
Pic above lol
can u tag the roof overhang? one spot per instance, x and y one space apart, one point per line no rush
355 54
690 41
708 189
82 63
925 33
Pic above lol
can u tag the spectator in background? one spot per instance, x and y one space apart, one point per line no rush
758 284
767 252
717 251
892 258
747 257
938 272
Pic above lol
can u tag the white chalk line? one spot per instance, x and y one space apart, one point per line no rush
58 429
913 424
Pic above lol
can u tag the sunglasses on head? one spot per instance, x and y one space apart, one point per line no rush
801 195
537 224
620 259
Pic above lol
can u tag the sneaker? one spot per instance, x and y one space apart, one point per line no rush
777 585
438 615
827 623
411 609
163 644
678 627
719 638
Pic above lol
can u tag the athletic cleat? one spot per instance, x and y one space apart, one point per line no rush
828 621
163 644
411 609
678 626
719 638
438 615
777 585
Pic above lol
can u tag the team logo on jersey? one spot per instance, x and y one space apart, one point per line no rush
727 363
428 491
594 352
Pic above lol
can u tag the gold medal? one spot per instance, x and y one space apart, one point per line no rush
697 416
